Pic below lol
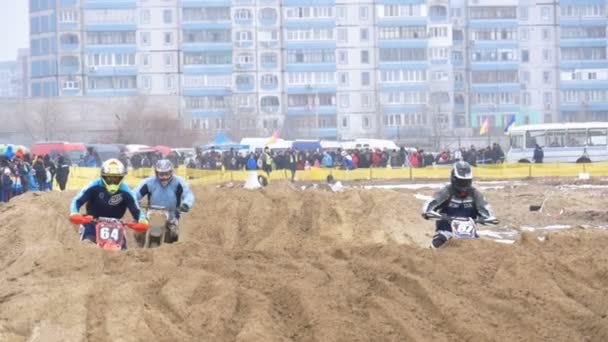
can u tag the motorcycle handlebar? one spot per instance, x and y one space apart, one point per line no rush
84 219
438 216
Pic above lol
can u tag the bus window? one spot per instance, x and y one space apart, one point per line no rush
597 137
535 137
576 138
556 138
517 141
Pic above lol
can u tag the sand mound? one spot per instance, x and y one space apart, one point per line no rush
281 264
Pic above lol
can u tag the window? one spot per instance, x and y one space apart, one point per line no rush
367 122
168 59
71 84
342 35
144 16
576 138
343 78
546 34
526 99
365 57
343 57
597 137
168 82
146 60
545 13
168 38
546 55
547 97
344 100
364 34
145 38
547 77
363 13
365 78
366 100
523 13
345 122
341 12
525 56
67 16
524 33
146 82
525 77
167 16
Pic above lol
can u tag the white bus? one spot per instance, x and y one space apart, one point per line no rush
561 142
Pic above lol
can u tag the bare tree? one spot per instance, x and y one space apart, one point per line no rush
139 122
46 122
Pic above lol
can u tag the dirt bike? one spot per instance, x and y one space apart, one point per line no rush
462 227
110 233
160 228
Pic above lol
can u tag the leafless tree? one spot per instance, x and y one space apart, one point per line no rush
45 121
141 123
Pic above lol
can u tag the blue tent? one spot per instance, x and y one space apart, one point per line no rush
306 145
222 139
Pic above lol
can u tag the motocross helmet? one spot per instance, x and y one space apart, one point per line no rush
164 171
112 174
462 177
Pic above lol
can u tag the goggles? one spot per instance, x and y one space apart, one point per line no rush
112 180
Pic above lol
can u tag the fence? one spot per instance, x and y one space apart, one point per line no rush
80 176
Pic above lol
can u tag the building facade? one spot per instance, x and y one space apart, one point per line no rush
332 68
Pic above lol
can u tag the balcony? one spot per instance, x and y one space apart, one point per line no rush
245 83
268 16
270 104
438 13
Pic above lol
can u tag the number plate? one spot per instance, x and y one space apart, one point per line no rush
110 235
463 229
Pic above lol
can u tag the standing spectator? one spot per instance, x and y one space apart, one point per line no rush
539 155
267 161
252 163
40 173
50 168
6 185
63 170
327 160
414 156
291 163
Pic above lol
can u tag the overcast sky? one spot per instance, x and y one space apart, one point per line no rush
14 28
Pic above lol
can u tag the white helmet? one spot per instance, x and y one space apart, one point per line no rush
164 171
113 173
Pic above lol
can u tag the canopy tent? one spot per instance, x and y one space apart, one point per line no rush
330 144
306 145
280 144
222 139
226 147
164 150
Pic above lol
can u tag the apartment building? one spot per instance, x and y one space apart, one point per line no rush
331 68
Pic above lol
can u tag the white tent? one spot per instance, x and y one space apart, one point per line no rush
330 144
280 144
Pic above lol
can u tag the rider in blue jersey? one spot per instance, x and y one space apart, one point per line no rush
169 191
106 196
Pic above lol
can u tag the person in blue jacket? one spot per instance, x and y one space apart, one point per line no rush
167 190
106 196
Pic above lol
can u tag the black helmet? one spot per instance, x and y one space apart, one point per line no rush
462 176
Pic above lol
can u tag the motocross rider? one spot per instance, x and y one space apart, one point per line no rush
457 199
169 191
106 196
